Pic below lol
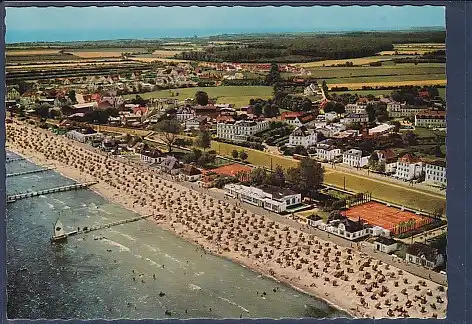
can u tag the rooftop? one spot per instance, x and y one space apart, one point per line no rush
277 192
423 250
385 240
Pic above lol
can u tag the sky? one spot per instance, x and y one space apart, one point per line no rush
95 23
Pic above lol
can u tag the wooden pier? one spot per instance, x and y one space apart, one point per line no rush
13 198
14 159
86 230
28 172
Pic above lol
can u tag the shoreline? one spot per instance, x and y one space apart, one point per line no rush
132 184
63 171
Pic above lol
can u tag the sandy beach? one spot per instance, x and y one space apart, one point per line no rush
344 277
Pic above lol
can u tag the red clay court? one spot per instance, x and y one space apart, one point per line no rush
387 217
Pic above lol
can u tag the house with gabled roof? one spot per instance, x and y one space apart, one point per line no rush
435 173
424 255
409 167
190 173
13 94
170 165
303 136
355 158
389 158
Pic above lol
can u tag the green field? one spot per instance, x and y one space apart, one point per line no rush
239 96
386 192
378 93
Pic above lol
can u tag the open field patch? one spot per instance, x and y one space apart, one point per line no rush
154 59
383 71
237 95
32 52
359 85
165 53
355 61
96 54
61 65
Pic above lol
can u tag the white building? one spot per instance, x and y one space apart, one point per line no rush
355 158
271 198
431 119
424 255
409 167
314 220
355 118
240 130
357 108
389 159
303 136
312 90
185 113
326 152
385 244
82 138
401 110
381 129
152 156
344 227
435 173
296 119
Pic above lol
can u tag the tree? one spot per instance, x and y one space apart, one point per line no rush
72 96
307 177
243 155
373 160
258 176
204 140
409 139
170 128
43 111
257 109
24 87
300 150
339 108
235 154
201 97
206 158
271 110
273 76
397 126
277 178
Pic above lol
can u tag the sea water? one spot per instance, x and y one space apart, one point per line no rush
135 270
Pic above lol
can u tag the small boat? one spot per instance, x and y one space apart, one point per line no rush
59 234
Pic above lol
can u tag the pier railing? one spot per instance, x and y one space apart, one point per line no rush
28 172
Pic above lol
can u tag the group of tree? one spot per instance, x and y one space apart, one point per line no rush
288 48
292 102
273 76
336 106
306 178
242 155
377 112
267 108
201 158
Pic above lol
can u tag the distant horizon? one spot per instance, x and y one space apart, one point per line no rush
66 24
192 35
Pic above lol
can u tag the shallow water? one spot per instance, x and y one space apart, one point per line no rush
91 276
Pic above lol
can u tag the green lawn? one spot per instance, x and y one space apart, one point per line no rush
392 70
386 192
237 95
388 78
376 93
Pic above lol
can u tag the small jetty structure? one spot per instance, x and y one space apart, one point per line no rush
14 159
28 172
76 186
59 236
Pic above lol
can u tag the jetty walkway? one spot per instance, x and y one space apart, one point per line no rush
99 227
28 172
14 159
13 198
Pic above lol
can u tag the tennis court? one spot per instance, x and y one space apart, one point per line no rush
393 219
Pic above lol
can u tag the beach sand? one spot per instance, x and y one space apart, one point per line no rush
346 278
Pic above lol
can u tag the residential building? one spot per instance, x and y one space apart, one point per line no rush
397 110
327 152
435 173
198 122
303 136
409 167
330 116
240 130
298 119
424 255
314 220
185 113
357 108
344 227
152 156
381 129
84 107
312 90
271 198
385 244
389 159
190 173
28 98
170 165
355 158
431 119
13 94
355 119
83 137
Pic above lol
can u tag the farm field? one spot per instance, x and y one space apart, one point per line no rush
378 93
359 85
165 53
147 59
103 52
93 63
388 78
355 61
24 52
239 96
